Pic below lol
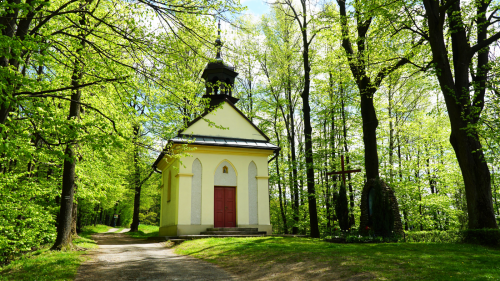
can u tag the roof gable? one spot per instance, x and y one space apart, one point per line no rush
234 124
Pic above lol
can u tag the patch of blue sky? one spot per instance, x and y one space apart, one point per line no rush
256 7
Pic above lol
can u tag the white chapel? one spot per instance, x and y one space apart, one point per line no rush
223 182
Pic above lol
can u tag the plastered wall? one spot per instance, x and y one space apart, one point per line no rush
169 209
211 161
230 124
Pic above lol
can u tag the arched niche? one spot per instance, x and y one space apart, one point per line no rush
252 194
196 192
225 179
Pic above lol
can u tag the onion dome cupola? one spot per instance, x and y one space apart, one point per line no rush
219 77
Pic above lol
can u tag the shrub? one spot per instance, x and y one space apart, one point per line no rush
449 236
489 237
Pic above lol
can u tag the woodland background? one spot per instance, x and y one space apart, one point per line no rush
100 86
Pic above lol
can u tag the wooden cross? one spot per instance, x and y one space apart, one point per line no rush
343 172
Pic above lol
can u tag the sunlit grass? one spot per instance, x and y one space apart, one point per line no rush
52 265
145 231
394 261
90 229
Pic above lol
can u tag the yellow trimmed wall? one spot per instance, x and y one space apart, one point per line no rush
169 210
178 222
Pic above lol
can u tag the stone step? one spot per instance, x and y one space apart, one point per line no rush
158 238
232 229
232 232
177 241
201 236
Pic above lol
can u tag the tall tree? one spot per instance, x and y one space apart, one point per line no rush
66 211
303 16
362 67
449 29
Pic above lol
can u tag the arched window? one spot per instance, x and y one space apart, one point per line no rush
253 204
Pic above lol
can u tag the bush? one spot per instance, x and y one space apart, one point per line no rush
490 237
24 225
450 236
150 218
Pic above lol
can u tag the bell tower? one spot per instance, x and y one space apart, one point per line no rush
219 77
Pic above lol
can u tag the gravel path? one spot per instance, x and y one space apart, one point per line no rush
120 257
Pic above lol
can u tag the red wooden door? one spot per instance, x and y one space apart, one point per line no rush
219 207
224 207
230 207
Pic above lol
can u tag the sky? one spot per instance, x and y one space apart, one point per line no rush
256 7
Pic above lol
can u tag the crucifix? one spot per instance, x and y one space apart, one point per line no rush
343 172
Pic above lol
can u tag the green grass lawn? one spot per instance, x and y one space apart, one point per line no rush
145 231
275 258
51 265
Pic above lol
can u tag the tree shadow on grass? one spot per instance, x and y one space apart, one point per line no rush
44 266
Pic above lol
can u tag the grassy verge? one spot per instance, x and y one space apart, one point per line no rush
276 258
90 229
145 231
51 265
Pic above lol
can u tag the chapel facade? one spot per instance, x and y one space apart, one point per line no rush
223 179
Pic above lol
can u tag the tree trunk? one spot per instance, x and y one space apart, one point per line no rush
283 216
367 87
463 110
63 239
391 138
352 220
370 124
137 183
291 140
74 220
306 109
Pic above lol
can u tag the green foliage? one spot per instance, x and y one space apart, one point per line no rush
383 217
489 237
341 208
26 220
439 236
150 218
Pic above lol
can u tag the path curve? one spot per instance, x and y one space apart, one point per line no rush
120 257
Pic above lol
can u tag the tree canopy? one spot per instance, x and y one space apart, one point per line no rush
92 90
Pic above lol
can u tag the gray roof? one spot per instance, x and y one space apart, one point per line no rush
221 141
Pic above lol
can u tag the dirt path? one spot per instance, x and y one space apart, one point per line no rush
120 257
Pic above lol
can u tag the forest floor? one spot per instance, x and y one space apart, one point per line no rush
277 258
121 257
